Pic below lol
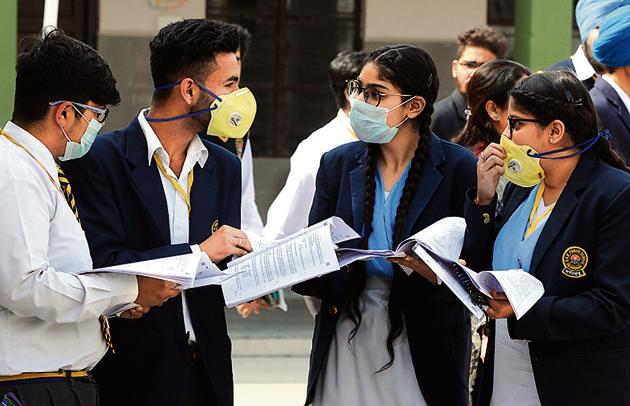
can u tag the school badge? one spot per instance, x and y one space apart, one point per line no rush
574 260
215 226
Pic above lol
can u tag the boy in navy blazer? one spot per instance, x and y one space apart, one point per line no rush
155 189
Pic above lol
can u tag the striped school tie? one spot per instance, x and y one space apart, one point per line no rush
67 192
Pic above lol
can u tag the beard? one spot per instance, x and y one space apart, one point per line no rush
200 122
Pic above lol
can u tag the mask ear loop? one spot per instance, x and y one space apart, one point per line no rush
586 144
395 107
213 107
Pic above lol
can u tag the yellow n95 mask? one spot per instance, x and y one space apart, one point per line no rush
520 167
232 114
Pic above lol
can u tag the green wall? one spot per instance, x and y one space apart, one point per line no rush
8 45
543 32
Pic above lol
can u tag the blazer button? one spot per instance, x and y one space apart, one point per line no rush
333 310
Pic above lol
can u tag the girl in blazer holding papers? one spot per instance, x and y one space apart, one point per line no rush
382 337
565 220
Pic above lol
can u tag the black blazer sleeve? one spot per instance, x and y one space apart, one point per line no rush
320 210
102 220
599 311
480 232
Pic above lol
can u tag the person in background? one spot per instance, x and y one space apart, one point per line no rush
588 16
242 148
251 222
156 189
289 211
488 90
475 46
611 93
53 328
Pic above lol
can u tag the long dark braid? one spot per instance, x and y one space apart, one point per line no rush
559 95
403 65
358 275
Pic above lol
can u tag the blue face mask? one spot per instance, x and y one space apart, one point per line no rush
213 105
370 122
75 150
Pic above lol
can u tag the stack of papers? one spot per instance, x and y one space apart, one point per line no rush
296 258
187 271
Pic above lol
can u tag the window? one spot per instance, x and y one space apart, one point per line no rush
293 41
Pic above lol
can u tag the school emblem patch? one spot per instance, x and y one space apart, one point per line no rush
574 260
215 226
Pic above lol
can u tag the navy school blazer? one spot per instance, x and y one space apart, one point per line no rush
438 325
613 115
124 214
580 328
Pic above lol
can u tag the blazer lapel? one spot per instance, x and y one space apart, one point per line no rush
516 196
564 207
357 191
428 183
146 179
203 201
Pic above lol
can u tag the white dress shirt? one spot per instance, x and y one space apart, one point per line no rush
250 216
177 209
289 211
625 98
583 68
48 314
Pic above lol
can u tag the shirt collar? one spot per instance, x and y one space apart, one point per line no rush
196 150
34 146
583 68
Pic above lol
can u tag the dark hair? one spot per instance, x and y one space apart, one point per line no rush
187 48
58 67
346 66
413 71
482 37
244 39
560 95
491 82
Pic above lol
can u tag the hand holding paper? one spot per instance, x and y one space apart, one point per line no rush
154 292
225 242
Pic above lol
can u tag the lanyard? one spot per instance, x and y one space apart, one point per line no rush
533 222
178 188
52 180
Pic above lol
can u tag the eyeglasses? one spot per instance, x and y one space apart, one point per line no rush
470 65
513 121
370 95
101 114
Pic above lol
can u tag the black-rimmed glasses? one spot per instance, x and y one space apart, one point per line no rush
513 121
370 94
470 65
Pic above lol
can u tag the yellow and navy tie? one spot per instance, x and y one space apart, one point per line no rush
67 192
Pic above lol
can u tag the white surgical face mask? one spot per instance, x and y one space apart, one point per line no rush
370 122
76 150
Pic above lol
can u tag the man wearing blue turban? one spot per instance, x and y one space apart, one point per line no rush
611 94
588 16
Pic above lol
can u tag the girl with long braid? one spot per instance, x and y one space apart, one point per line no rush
565 220
382 337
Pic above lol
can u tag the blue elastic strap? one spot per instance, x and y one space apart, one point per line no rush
194 113
588 144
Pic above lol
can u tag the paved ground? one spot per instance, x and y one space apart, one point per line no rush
270 355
